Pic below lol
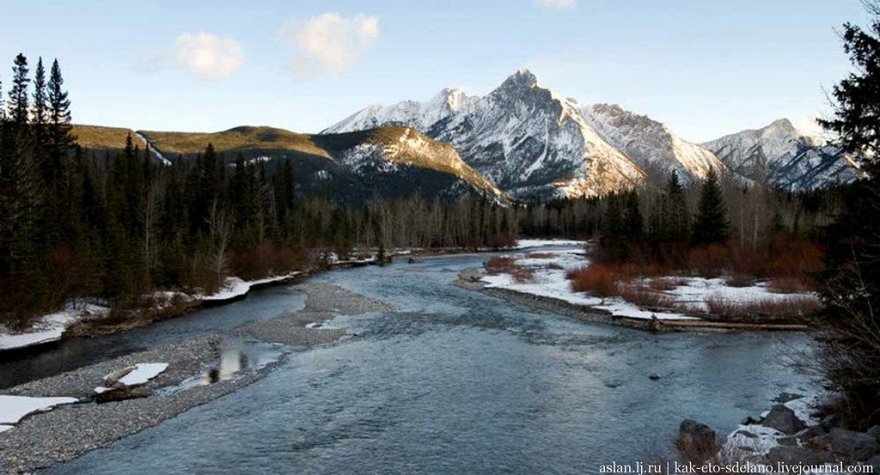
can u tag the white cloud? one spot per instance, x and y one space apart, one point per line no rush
557 3
329 42
208 56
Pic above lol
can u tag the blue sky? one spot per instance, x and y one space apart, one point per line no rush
704 67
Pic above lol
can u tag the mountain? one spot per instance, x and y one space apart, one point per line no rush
651 144
791 159
534 143
388 162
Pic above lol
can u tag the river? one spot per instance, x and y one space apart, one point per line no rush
455 382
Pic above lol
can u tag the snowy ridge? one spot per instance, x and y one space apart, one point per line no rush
790 158
651 144
534 143
526 139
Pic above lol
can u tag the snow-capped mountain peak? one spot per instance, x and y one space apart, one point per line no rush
790 158
535 143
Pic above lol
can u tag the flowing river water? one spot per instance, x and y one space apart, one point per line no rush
454 382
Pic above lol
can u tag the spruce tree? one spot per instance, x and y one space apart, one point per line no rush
40 107
677 220
851 279
2 105
18 93
710 224
60 138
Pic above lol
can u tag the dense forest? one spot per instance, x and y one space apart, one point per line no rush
116 225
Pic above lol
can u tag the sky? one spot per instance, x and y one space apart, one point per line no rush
706 68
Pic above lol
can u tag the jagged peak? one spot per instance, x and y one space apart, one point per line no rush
521 79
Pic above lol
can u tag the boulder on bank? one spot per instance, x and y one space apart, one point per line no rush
784 420
857 445
696 441
793 455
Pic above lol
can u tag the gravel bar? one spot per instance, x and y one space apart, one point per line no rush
43 439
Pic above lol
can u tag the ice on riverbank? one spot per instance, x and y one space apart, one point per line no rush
15 408
47 328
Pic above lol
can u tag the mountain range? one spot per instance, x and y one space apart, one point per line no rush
535 143
521 140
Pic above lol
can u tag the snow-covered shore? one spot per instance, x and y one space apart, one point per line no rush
687 296
48 328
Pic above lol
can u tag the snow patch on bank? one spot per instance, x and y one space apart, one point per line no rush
526 243
47 328
15 408
689 294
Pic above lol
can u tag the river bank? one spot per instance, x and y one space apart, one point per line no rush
198 372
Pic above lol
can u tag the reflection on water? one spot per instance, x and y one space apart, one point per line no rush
459 382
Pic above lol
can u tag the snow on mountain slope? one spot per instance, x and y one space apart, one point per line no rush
791 159
528 140
651 144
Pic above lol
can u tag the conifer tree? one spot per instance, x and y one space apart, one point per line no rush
18 93
677 219
710 225
40 107
851 280
2 105
60 138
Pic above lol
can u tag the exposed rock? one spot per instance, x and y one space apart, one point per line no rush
120 394
749 420
696 441
654 376
792 455
829 422
112 379
811 432
874 462
855 445
874 432
784 420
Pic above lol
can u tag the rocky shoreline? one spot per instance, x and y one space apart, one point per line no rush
46 438
792 434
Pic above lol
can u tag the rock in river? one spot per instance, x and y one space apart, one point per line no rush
784 420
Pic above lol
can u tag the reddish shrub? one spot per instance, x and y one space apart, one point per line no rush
499 265
598 279
541 255
739 280
767 309
522 274
665 283
708 260
645 297
788 285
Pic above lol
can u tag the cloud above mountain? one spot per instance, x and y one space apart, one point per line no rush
329 43
556 3
208 56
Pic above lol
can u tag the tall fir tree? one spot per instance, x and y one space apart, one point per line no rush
850 322
60 137
710 224
18 93
677 217
40 109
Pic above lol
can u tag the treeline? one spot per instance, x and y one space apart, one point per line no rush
721 225
117 225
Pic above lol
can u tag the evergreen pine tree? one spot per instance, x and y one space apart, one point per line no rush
18 93
710 225
851 279
60 138
678 218
39 118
